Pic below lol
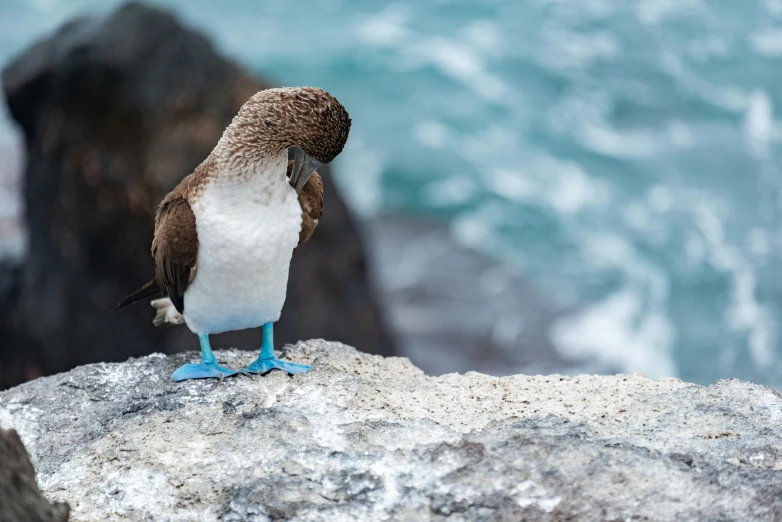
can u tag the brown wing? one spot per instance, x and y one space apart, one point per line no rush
311 201
175 248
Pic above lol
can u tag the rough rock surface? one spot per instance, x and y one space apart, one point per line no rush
115 111
362 437
20 499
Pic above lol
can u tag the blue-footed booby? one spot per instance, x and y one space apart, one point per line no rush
225 235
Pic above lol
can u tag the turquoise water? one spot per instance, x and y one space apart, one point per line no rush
622 156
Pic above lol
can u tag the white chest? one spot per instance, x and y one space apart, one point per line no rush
246 236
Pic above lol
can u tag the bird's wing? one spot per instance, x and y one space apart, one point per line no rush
311 201
175 248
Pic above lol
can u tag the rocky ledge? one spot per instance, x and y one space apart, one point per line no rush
362 437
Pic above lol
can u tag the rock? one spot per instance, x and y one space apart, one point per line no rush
115 110
455 309
20 499
362 437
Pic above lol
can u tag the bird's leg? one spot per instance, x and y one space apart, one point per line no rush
207 368
266 360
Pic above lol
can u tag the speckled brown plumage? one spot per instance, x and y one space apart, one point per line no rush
268 123
175 248
276 119
311 201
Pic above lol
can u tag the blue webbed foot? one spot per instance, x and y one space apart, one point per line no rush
266 365
202 371
207 368
267 362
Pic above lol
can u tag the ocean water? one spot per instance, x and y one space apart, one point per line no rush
622 157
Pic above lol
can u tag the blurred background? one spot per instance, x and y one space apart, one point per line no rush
538 185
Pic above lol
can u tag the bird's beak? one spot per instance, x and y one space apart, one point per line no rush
303 167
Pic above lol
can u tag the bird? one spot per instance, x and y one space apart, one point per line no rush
225 235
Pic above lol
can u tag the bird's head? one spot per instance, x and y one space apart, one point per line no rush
308 118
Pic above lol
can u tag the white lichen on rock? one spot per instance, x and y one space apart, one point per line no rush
362 437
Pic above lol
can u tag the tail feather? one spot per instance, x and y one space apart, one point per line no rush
149 290
165 313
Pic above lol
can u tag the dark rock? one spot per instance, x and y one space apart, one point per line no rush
460 310
20 499
115 110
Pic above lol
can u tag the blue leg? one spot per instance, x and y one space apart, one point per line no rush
266 362
207 368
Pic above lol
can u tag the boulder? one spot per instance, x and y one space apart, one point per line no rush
115 110
20 499
363 437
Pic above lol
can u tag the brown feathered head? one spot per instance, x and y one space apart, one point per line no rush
305 117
